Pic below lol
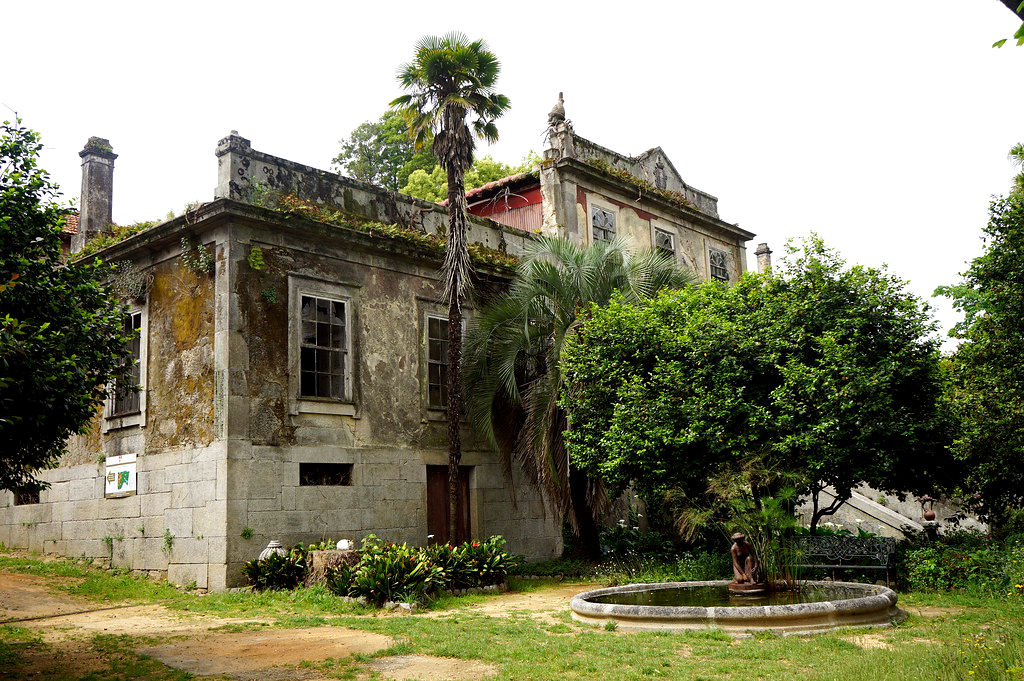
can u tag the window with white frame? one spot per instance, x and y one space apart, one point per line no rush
323 348
719 265
603 224
437 361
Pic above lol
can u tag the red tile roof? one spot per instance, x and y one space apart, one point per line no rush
71 225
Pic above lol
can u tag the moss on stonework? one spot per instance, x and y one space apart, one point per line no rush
115 234
431 244
629 178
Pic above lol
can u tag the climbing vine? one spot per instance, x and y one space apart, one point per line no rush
195 256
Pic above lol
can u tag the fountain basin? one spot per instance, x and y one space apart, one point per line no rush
817 607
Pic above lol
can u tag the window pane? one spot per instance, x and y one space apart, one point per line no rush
308 359
338 312
434 398
322 312
323 335
434 373
309 333
308 383
337 386
307 308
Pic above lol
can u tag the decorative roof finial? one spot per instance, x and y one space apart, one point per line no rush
557 114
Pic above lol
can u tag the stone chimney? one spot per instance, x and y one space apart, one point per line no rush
95 213
764 259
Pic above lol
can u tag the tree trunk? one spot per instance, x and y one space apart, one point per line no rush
1012 6
454 285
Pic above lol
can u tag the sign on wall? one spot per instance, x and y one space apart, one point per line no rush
121 479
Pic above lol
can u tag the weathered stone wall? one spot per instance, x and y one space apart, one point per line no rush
175 524
389 434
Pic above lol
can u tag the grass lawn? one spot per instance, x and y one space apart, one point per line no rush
955 636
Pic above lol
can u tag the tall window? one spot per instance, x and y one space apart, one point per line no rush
665 241
323 348
126 391
719 265
603 222
437 362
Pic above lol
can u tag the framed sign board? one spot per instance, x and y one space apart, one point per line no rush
121 478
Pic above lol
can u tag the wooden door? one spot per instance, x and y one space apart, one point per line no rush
438 511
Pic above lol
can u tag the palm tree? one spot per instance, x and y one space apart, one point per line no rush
513 351
449 79
1016 155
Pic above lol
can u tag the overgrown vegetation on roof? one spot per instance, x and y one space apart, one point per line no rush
117 233
643 185
431 244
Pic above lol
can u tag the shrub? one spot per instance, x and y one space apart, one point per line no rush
394 572
966 561
626 540
274 572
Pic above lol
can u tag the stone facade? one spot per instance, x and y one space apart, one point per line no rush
226 449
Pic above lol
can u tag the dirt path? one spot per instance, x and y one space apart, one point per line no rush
197 644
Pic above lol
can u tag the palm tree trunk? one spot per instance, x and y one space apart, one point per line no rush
454 285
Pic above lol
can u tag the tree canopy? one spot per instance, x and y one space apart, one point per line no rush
987 377
827 374
380 152
432 184
61 332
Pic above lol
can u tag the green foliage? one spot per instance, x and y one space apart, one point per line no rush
966 561
61 331
986 381
626 540
116 234
432 184
274 572
196 256
168 541
514 345
247 533
824 373
380 152
255 259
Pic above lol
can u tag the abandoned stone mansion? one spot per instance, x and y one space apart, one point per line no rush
290 358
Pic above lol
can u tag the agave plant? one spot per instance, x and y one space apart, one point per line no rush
513 349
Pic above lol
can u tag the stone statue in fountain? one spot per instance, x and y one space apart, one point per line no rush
744 566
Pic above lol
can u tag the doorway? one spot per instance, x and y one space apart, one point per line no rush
438 511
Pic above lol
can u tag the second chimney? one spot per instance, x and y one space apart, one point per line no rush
764 259
95 212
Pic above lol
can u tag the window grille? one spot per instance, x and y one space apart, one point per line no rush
126 392
323 348
325 474
603 223
719 265
437 362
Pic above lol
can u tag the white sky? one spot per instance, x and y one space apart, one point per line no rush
882 124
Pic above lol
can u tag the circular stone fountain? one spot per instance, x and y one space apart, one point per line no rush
671 606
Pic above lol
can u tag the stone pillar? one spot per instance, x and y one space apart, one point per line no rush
232 164
764 259
96 211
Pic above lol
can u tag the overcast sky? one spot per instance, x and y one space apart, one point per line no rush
883 124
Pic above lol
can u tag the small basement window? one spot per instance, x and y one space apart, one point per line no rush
25 496
330 474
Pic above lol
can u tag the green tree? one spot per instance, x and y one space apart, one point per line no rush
821 374
1016 155
986 386
513 350
381 153
450 79
61 335
432 185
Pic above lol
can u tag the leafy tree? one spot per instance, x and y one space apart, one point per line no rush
1016 155
381 153
449 79
513 350
61 335
821 375
986 386
432 185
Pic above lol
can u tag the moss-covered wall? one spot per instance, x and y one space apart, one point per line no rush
180 390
